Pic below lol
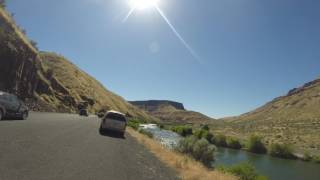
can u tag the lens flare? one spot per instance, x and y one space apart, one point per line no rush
143 4
147 4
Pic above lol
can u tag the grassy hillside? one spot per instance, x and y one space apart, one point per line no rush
293 118
171 112
47 81
82 87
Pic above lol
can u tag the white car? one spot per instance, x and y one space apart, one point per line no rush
113 121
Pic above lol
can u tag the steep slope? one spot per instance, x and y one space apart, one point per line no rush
48 82
293 118
19 60
171 112
80 86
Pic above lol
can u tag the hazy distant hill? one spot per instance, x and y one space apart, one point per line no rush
293 118
169 111
47 81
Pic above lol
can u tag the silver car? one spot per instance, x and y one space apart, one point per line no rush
113 121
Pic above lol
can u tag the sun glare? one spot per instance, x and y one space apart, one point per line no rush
148 4
143 4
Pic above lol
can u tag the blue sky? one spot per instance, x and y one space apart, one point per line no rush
250 51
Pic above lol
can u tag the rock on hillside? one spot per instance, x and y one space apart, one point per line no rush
49 82
152 105
171 112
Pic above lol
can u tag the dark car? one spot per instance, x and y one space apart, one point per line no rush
12 107
83 112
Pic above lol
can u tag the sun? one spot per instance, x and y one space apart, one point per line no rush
143 4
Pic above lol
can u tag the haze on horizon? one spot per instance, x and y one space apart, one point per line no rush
250 51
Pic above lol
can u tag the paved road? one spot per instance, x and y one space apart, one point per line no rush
61 146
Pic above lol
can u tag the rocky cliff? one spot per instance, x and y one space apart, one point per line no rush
152 105
171 112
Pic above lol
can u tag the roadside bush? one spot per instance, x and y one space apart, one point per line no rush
134 123
182 130
204 152
149 134
186 144
282 151
219 140
256 145
233 143
245 171
200 150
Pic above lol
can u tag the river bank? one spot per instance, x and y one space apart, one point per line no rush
274 168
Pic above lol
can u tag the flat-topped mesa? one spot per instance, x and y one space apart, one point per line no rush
157 103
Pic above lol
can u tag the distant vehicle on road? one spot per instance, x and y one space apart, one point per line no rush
83 112
12 107
113 121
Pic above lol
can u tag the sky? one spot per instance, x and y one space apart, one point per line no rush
244 52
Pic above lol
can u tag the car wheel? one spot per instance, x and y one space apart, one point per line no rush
24 115
101 130
122 134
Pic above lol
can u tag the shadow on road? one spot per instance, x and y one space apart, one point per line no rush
13 119
112 134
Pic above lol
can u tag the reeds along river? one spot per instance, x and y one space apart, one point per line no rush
273 168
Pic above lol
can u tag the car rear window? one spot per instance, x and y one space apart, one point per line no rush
115 116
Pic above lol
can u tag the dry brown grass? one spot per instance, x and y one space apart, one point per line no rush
10 21
187 168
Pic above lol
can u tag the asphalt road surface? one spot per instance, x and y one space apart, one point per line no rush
52 146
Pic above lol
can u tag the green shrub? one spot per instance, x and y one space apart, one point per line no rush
134 123
255 145
149 134
182 130
200 150
204 152
186 144
316 159
219 140
233 143
307 156
201 133
206 127
245 171
282 151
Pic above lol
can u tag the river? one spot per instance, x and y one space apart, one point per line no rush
273 168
